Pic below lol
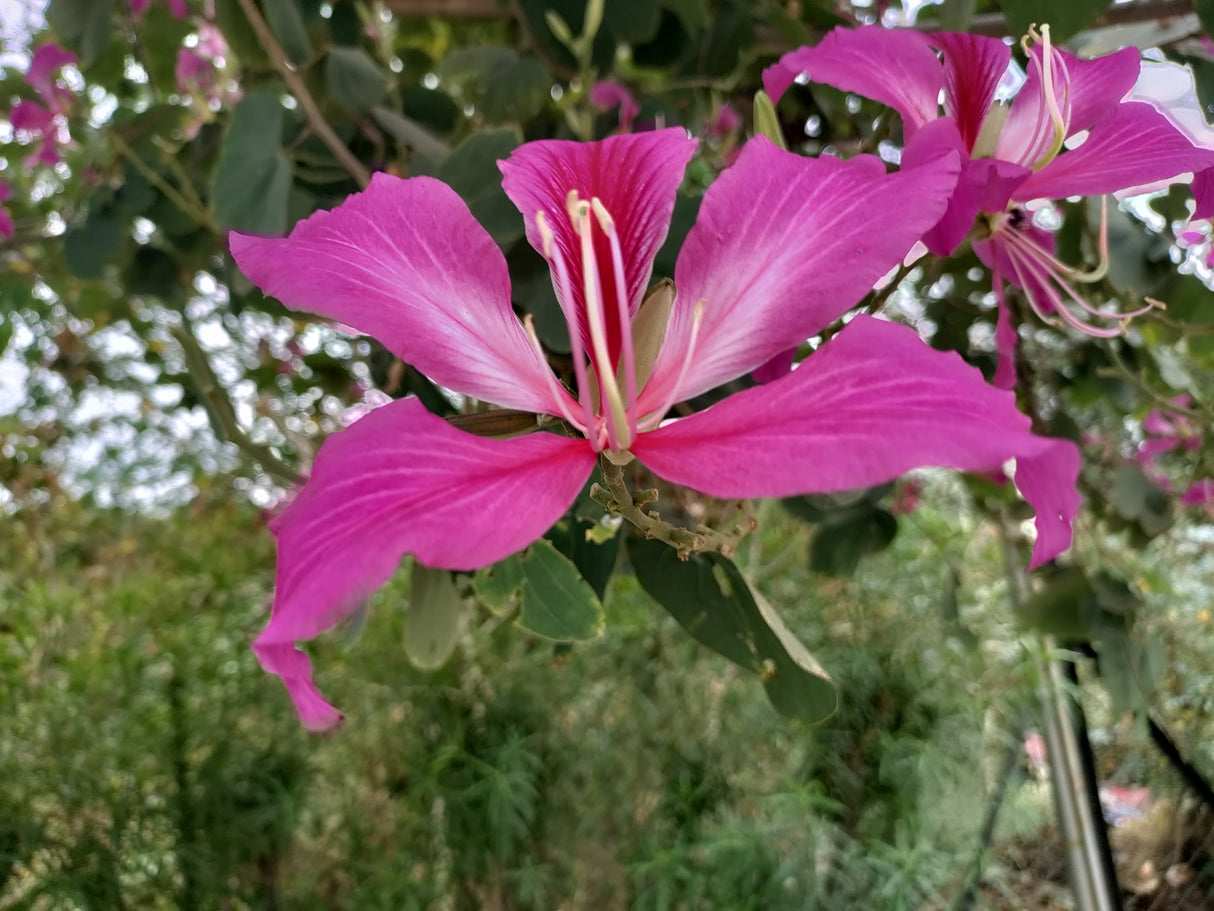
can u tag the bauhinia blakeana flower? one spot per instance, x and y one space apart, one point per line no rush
775 256
1012 153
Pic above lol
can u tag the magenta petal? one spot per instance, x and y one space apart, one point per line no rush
7 227
1030 133
896 67
783 246
778 77
43 65
1098 84
1133 146
973 68
31 117
634 176
1047 480
873 403
402 481
405 261
1203 193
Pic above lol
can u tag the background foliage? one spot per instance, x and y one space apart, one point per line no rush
153 401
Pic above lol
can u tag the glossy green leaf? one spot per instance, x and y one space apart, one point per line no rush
712 601
355 81
557 602
288 27
84 25
88 247
843 537
1065 19
253 178
471 170
434 619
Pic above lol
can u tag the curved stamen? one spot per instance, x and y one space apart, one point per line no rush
564 293
627 357
612 404
655 417
1048 64
1072 273
560 395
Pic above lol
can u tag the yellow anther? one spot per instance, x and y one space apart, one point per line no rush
601 213
547 238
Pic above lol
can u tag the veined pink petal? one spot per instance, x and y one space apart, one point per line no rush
973 68
1030 133
873 403
1132 146
1099 84
778 253
635 176
896 67
31 117
607 94
985 184
44 63
7 227
402 481
405 261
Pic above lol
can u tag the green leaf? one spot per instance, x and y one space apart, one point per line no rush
155 273
557 602
288 27
1191 302
574 536
1057 607
471 170
434 619
88 247
632 21
1064 19
356 82
410 132
843 537
711 599
253 178
1205 12
84 25
6 331
516 93
499 584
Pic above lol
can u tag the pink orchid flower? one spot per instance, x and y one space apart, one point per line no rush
606 95
177 8
775 256
45 123
1012 154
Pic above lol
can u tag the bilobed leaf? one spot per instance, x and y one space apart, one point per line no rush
253 177
1064 19
471 170
288 27
499 584
434 618
557 602
356 82
711 599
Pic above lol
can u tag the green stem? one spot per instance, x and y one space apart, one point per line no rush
171 193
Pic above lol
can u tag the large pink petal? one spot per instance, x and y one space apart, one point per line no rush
405 261
32 117
1029 133
634 176
873 403
1134 145
783 246
973 68
402 481
44 63
1098 84
896 67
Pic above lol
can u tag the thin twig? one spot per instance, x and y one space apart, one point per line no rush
307 103
171 193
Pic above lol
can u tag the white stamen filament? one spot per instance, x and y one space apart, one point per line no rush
559 395
1051 99
612 405
627 357
564 292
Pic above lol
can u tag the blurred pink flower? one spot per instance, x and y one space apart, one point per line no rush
45 123
606 95
724 122
176 7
